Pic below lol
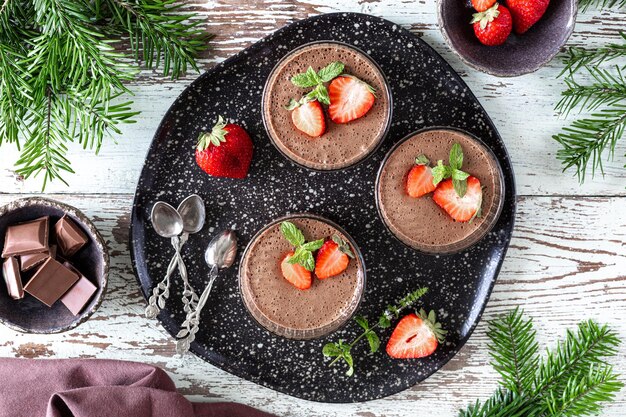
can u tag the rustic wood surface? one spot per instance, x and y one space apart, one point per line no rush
567 260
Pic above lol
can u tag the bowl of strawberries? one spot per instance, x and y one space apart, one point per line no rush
506 38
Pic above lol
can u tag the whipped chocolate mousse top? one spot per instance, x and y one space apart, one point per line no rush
342 145
282 308
419 222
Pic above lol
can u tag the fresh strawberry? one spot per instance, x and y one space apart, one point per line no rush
296 274
493 26
332 258
461 209
419 182
350 98
226 151
482 5
526 13
415 336
308 117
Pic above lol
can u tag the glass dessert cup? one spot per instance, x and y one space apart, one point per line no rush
279 307
418 222
343 145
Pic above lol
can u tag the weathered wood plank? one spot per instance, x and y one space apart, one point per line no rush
238 24
567 263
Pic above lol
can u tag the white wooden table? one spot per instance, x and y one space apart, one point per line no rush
566 263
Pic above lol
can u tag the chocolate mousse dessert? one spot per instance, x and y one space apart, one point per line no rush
326 106
440 190
301 277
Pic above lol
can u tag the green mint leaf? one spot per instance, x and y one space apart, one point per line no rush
331 350
373 340
362 321
384 322
331 71
292 233
297 257
440 172
460 186
321 94
306 79
422 160
313 246
308 261
347 356
456 156
459 175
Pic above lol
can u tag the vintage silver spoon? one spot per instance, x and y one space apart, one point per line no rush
219 254
168 223
193 213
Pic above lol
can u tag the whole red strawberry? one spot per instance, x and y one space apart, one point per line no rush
225 151
526 13
493 26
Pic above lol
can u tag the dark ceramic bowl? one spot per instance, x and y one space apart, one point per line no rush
519 54
29 314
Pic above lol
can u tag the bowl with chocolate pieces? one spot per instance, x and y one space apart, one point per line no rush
54 265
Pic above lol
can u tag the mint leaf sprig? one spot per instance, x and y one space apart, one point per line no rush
342 351
303 254
442 172
310 78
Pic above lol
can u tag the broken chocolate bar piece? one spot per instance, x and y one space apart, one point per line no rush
26 238
50 282
79 295
28 262
70 237
11 274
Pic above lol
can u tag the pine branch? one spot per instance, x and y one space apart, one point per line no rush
577 58
573 379
607 89
513 348
585 4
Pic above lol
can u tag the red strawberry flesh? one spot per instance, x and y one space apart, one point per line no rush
419 181
350 99
412 338
309 118
296 274
461 209
330 261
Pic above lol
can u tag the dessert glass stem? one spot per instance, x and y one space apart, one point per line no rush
192 323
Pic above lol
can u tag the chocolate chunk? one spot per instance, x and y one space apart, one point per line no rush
80 293
26 238
11 274
28 262
50 282
70 237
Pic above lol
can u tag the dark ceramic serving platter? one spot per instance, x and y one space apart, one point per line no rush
426 92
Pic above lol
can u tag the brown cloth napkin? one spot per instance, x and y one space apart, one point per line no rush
98 388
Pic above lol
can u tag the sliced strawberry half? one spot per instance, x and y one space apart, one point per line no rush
461 209
308 117
415 336
296 274
332 258
419 182
350 98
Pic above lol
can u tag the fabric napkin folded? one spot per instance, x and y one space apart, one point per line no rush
98 388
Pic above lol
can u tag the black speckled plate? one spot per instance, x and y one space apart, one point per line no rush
426 92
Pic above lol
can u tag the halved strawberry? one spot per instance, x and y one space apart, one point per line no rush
350 98
296 274
461 209
419 182
482 5
332 258
415 336
308 118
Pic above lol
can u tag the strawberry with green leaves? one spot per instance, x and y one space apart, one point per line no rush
415 336
297 265
493 26
333 257
225 151
420 181
460 195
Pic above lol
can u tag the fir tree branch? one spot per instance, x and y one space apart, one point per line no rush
608 89
577 58
513 348
585 4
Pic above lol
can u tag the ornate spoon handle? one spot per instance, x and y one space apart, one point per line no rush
190 298
187 334
161 292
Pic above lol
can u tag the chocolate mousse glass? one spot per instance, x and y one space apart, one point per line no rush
285 310
342 145
419 222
